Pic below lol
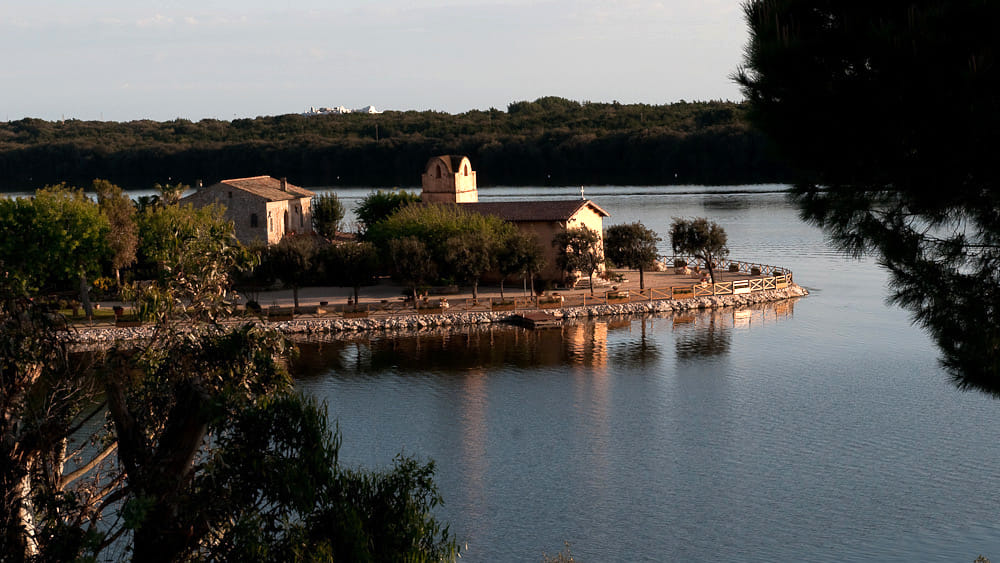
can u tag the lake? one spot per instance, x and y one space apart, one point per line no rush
815 430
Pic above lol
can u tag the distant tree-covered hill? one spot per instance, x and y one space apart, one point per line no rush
550 141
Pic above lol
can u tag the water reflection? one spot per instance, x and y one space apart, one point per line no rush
942 256
708 333
584 343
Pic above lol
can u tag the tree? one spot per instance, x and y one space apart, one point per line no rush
208 454
45 397
123 239
170 194
53 239
351 264
633 246
327 213
882 174
469 255
412 263
700 238
519 254
579 250
164 231
436 225
380 205
295 261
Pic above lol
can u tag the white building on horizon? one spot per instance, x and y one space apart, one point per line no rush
340 110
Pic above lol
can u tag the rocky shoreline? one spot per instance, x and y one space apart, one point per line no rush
88 337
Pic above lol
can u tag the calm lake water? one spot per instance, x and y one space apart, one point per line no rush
815 430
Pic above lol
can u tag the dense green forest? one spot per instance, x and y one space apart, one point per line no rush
550 141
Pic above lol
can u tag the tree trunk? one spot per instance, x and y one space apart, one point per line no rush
295 297
501 287
88 308
642 283
475 289
357 290
590 276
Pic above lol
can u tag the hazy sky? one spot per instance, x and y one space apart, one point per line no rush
123 60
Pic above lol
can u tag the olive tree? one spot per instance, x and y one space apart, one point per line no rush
633 246
519 254
700 238
412 263
579 250
350 264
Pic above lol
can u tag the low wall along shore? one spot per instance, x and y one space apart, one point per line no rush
103 336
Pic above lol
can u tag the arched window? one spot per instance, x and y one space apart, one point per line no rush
465 169
438 171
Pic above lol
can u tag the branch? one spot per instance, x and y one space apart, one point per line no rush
67 479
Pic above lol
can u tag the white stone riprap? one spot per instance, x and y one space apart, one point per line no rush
87 336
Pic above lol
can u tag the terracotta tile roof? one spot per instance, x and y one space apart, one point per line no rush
533 211
268 188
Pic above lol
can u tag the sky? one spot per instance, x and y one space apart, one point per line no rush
122 60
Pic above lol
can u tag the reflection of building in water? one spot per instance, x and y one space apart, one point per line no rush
586 343
472 410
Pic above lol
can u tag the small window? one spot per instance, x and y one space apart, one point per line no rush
230 195
270 222
253 220
438 170
465 169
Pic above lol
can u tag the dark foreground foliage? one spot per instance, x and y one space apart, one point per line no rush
893 109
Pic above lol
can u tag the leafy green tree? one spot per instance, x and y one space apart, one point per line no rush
519 254
380 205
295 261
469 255
327 214
880 172
165 230
434 225
207 453
632 245
53 239
700 238
412 263
579 250
123 239
351 264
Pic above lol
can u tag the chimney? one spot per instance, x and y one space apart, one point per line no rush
284 184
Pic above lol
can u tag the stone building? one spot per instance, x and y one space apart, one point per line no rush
261 207
451 179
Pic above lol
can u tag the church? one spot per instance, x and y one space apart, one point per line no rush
451 179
